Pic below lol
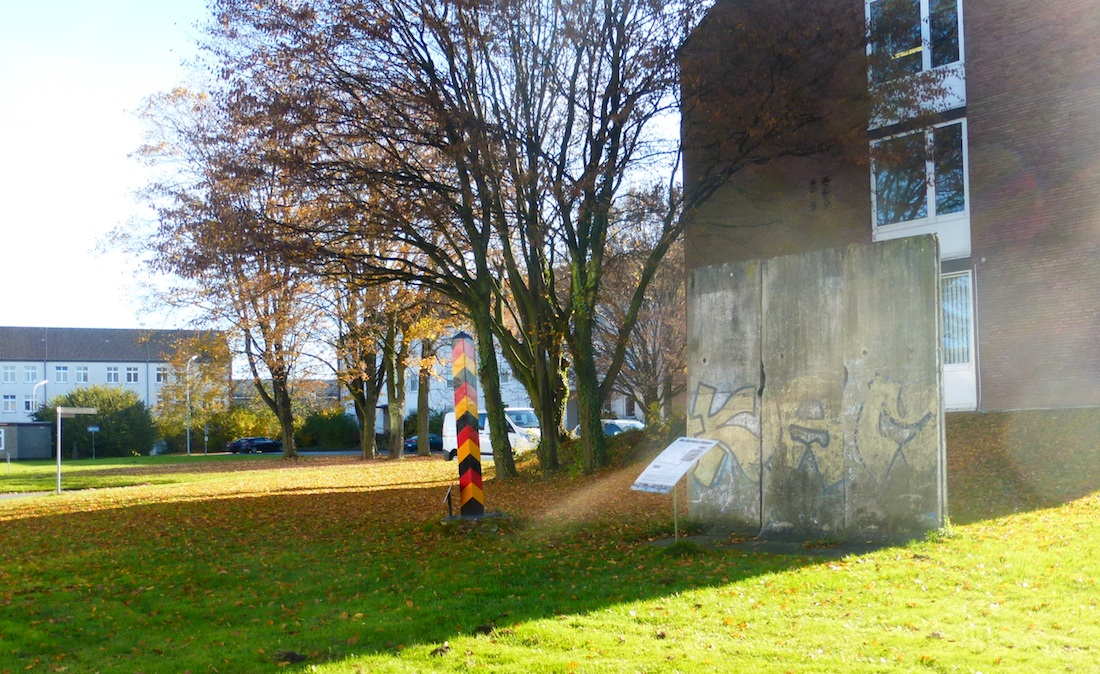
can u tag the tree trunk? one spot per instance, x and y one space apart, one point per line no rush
394 359
427 353
489 377
590 408
582 346
284 412
548 410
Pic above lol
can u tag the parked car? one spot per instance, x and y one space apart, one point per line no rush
522 428
613 427
435 443
254 445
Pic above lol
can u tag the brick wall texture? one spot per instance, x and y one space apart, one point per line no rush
1033 115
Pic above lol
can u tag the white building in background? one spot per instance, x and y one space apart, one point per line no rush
38 364
441 390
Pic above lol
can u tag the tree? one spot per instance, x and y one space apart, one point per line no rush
214 234
125 424
503 131
654 369
199 376
357 344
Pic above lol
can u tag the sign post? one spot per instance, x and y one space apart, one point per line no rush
662 474
93 430
67 413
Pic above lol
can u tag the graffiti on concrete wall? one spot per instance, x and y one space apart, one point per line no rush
726 483
891 454
803 464
845 437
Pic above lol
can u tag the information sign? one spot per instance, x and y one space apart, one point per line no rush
662 474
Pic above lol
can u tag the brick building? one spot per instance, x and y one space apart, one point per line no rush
1006 173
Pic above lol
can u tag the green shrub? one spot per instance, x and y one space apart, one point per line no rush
125 423
330 429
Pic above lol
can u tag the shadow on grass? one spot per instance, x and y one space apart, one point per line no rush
999 463
247 583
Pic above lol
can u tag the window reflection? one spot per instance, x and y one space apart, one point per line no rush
943 31
948 143
895 39
906 166
902 32
901 187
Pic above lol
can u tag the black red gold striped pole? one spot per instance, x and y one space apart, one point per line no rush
464 366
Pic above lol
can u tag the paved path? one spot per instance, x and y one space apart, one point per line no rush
22 494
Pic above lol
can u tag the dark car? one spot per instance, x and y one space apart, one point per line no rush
435 443
254 445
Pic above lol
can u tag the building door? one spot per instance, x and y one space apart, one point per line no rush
960 383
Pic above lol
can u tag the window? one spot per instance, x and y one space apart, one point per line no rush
61 374
8 374
911 36
920 175
131 375
29 404
81 374
112 375
955 294
9 403
30 374
162 374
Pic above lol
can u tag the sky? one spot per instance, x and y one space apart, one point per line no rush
73 74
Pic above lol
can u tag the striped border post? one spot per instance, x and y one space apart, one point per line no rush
464 366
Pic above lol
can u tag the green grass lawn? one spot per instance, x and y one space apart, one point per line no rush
253 564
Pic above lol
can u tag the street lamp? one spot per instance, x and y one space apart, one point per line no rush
34 393
187 383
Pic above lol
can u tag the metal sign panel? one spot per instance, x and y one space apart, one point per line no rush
70 412
662 474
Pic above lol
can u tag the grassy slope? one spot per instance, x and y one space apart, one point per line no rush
248 566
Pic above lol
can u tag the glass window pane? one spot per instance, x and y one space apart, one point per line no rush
948 151
896 46
901 180
955 292
944 31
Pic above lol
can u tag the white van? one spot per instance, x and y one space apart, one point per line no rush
523 432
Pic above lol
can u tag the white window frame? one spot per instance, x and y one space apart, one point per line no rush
9 402
161 374
132 376
112 374
932 222
969 320
29 405
9 374
30 374
61 374
926 32
80 375
953 84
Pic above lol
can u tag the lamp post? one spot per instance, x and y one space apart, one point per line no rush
34 393
187 395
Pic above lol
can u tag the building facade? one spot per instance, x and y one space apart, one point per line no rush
39 364
1004 172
